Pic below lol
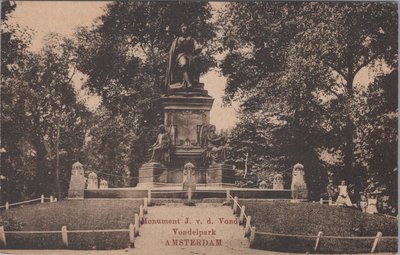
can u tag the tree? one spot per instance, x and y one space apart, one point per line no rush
41 121
124 57
376 132
14 40
347 37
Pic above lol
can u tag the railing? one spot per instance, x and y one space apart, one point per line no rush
251 230
41 199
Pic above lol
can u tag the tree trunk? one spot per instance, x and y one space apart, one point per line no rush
348 150
58 161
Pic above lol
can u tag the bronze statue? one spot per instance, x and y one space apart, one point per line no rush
183 69
214 144
161 148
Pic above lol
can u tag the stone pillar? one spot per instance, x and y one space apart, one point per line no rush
77 182
103 184
277 182
262 185
299 187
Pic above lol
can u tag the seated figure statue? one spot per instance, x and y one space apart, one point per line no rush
183 68
214 144
161 147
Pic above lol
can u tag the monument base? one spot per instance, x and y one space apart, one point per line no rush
220 174
151 173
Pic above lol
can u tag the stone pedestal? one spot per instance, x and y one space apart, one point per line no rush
152 173
219 174
184 115
185 112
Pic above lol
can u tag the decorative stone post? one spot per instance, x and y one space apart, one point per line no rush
103 184
189 177
77 182
263 185
299 187
277 183
93 182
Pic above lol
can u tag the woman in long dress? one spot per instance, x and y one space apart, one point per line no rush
343 198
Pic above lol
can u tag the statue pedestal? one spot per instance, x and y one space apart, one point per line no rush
220 174
152 173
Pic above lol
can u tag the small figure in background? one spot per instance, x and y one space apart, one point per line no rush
363 202
331 190
372 201
343 198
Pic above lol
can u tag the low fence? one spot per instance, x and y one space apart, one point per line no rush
133 228
42 199
251 233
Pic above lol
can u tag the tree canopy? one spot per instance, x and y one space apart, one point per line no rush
293 67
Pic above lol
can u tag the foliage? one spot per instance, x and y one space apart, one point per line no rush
37 98
14 40
377 133
292 66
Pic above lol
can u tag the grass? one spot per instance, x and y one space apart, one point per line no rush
308 219
76 215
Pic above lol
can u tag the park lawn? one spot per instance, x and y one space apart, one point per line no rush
76 215
310 218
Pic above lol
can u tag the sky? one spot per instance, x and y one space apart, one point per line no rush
44 17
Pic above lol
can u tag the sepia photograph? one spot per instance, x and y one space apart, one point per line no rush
195 127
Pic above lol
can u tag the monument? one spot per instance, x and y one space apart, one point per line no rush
186 134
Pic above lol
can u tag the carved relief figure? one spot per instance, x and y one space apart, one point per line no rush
213 143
